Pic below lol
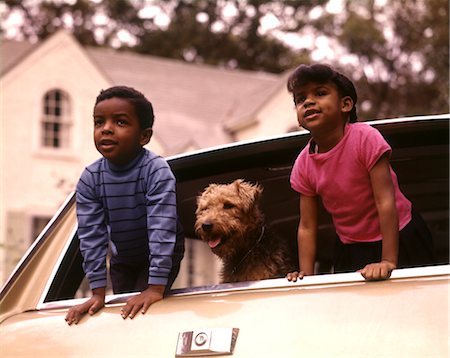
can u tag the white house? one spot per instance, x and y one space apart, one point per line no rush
47 92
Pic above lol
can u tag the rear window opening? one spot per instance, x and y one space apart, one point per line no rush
420 159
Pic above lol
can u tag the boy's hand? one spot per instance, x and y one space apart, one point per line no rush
378 271
91 306
142 301
293 276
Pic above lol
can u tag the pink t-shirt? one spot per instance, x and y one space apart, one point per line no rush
341 178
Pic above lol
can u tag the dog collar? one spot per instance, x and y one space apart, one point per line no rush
263 229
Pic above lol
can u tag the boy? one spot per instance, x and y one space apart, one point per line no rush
346 164
126 201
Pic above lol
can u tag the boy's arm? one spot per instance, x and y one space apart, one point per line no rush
162 219
91 306
92 231
384 195
306 237
91 224
162 233
143 301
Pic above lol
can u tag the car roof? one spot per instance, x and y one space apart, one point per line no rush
268 161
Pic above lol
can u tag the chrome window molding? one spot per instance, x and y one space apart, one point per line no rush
315 280
303 132
323 281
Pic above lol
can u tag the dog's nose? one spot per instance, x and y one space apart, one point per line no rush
207 227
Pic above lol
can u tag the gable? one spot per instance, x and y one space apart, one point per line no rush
29 71
196 106
12 52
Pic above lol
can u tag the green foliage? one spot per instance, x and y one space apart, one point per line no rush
401 52
397 54
237 42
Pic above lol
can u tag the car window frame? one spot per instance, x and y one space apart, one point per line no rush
217 288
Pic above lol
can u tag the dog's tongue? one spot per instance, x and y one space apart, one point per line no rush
213 243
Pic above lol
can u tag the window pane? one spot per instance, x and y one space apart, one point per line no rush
55 120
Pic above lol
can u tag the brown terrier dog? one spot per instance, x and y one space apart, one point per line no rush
229 219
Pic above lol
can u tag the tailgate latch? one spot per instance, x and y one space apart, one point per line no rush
206 342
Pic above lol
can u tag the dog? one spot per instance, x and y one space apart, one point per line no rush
230 221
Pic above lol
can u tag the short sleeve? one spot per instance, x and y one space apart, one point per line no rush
373 146
299 179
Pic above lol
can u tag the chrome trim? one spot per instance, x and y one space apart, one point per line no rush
62 210
109 300
316 280
352 278
300 133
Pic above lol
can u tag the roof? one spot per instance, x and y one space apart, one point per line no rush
11 52
195 104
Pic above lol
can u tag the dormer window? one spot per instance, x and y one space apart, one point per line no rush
56 120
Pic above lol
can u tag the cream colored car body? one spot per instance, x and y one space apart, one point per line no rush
328 315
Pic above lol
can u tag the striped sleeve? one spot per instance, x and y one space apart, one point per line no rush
92 230
161 219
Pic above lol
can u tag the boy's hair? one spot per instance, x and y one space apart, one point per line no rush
142 105
319 73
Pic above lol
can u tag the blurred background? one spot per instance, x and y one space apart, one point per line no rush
214 70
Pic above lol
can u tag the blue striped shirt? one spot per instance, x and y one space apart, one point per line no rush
132 209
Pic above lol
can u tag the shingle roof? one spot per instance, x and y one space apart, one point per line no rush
11 52
193 102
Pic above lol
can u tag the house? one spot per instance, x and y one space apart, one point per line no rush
47 95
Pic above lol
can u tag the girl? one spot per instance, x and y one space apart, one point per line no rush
346 164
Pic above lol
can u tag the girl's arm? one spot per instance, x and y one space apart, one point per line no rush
384 195
306 237
307 234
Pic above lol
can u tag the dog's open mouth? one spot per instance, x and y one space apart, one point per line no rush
214 242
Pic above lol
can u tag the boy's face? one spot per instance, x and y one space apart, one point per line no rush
320 107
118 135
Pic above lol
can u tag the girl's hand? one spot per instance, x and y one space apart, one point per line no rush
143 301
293 276
378 271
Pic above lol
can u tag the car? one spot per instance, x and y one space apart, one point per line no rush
325 315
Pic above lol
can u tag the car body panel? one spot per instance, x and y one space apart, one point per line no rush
326 315
341 316
38 264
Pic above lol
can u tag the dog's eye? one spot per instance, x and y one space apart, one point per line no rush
228 205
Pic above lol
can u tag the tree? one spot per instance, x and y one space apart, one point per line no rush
402 65
397 53
198 31
231 42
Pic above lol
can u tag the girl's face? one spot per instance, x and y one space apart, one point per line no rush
320 107
118 135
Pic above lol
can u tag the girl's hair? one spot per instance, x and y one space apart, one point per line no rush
142 105
319 73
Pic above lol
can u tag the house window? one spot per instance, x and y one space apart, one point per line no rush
56 120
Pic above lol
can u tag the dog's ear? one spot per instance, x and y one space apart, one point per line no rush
210 188
257 192
241 183
251 192
207 190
